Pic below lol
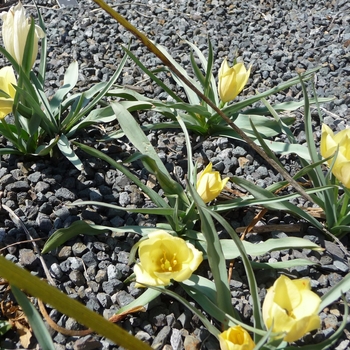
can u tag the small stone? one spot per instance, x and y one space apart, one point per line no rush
56 271
112 286
161 338
87 343
113 272
122 298
65 194
77 278
191 343
176 340
90 259
28 258
79 249
64 252
104 299
143 336
101 276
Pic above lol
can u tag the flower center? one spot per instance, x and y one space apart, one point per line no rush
168 265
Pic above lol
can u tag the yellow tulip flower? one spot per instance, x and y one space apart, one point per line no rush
7 80
329 145
291 307
232 80
15 30
209 184
236 338
163 258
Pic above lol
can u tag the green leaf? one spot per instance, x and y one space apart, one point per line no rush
83 228
23 279
75 229
64 147
258 322
207 324
335 292
44 150
264 200
28 48
5 326
192 97
263 194
284 106
215 255
41 333
136 136
203 292
70 80
97 91
155 211
97 116
155 197
146 297
231 251
43 52
207 65
158 81
236 107
283 264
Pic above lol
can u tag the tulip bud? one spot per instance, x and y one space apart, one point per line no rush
290 307
15 30
163 258
232 80
209 184
236 338
330 143
7 80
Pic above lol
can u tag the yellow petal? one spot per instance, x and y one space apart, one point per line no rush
236 338
164 257
209 184
15 30
231 80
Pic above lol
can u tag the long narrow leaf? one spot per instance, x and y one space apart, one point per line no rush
136 136
258 322
154 196
215 256
64 146
232 109
43 52
69 82
22 279
158 81
260 193
34 319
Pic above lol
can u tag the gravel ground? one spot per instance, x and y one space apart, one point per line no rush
275 38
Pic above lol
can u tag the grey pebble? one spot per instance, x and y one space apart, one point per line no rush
161 338
77 278
113 272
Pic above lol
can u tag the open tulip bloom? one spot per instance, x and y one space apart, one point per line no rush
290 307
163 258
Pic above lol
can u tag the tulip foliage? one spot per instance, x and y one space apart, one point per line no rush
42 125
186 235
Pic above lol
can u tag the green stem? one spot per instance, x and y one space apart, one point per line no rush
344 208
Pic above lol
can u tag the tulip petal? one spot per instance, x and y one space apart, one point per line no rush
290 307
164 257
